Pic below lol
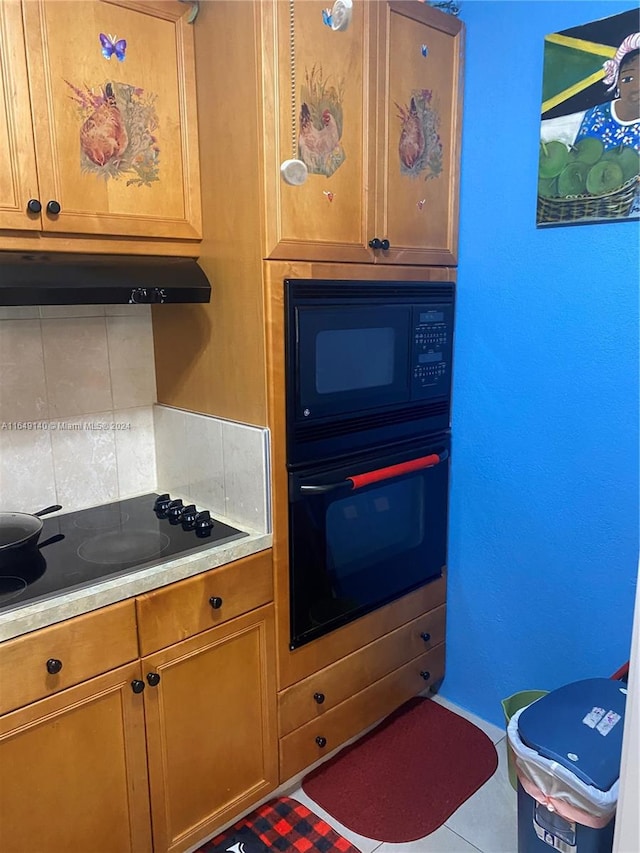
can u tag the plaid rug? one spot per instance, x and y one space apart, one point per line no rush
284 825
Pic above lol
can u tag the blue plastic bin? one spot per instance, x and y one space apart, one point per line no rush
575 735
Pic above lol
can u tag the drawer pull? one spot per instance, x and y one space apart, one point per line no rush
319 697
137 685
321 741
153 679
34 206
54 666
216 602
425 636
425 674
53 207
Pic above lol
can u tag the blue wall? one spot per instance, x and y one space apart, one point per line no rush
544 498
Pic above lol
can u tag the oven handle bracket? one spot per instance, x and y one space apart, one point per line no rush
358 481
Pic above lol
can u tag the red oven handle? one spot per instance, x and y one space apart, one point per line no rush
360 480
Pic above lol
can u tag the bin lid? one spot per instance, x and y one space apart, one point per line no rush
579 726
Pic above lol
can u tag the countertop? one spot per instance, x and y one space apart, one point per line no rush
39 614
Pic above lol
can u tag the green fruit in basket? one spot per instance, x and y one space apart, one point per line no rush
547 187
629 162
587 150
553 159
604 177
572 179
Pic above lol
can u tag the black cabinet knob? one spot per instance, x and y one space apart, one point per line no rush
216 602
34 206
54 666
375 243
384 245
319 697
425 636
137 686
153 679
425 674
321 741
53 207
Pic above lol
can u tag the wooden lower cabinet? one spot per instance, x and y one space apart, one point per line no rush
74 771
312 741
211 728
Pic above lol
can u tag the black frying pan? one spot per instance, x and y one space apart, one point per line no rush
19 534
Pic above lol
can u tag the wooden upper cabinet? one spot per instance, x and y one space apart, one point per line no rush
420 56
18 178
374 112
113 107
325 120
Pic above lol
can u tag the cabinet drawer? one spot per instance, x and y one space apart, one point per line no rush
85 646
300 748
188 607
319 693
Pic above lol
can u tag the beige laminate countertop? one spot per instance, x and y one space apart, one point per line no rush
22 619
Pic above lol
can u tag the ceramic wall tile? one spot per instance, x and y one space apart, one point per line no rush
60 311
23 393
131 361
76 366
84 459
135 451
19 312
205 461
172 453
27 481
245 475
128 311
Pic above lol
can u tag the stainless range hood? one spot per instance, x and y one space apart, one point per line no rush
70 279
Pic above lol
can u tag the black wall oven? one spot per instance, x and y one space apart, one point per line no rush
364 532
368 394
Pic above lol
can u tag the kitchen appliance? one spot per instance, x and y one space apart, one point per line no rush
365 531
111 540
66 279
367 363
19 535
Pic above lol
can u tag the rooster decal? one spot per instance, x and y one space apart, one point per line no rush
420 146
118 132
320 128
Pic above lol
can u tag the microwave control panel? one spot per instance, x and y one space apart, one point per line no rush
431 351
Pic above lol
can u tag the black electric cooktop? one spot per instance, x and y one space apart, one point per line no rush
78 549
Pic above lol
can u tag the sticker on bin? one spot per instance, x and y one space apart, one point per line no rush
608 722
594 716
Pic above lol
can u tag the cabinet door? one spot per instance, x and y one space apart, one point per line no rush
317 109
114 116
419 134
211 728
18 179
74 773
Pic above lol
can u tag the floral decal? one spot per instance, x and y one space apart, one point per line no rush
118 132
420 146
320 129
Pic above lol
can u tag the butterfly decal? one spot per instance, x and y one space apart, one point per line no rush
328 194
327 18
112 45
420 204
424 50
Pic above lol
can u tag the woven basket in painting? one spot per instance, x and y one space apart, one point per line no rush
611 205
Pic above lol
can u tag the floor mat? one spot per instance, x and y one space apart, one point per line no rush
402 780
282 824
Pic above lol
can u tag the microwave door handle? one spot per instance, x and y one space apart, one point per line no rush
430 461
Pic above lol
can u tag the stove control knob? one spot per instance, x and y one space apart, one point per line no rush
161 504
54 666
188 517
204 523
174 511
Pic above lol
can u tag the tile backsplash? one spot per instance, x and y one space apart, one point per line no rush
77 386
79 423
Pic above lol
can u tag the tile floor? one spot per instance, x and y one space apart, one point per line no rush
486 822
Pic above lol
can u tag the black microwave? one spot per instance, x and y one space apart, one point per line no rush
368 363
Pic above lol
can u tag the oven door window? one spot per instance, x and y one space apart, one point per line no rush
354 551
351 358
